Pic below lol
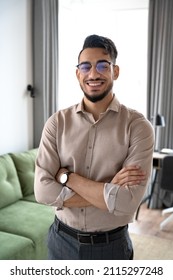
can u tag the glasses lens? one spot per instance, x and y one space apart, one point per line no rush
84 67
102 66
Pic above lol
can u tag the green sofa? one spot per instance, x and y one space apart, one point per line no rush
24 223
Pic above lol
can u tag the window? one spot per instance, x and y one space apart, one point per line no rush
126 24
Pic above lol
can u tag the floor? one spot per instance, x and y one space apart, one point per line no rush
149 223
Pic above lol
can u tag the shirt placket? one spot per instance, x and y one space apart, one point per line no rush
90 149
88 164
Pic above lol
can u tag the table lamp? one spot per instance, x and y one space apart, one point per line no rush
159 121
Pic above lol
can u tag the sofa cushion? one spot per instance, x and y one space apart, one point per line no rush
30 198
30 220
10 190
15 247
25 165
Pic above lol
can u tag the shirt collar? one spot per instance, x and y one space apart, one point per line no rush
113 106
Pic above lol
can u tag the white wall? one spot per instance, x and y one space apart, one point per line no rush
16 129
125 22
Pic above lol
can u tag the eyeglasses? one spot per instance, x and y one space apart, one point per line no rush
101 66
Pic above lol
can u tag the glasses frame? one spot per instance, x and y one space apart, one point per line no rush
89 63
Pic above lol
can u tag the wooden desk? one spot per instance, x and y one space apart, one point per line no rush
157 159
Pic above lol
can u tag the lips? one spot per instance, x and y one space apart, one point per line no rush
95 83
91 84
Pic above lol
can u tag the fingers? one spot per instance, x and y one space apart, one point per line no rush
130 168
130 175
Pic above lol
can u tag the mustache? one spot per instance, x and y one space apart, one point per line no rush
95 80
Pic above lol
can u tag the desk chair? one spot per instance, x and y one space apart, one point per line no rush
148 197
166 183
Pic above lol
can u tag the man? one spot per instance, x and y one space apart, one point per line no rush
94 164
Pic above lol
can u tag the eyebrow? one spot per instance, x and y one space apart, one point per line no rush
101 60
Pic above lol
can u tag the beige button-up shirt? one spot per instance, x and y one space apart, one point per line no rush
96 150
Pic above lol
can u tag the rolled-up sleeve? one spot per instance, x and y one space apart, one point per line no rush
47 190
65 194
123 200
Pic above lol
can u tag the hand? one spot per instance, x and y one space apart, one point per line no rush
128 176
60 171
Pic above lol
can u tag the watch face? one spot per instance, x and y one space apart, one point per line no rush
63 178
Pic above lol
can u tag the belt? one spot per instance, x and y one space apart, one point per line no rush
91 237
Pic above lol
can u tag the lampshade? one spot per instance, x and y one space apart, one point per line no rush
160 120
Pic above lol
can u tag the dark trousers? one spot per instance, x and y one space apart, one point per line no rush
62 246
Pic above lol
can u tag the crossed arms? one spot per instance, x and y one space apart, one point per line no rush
89 192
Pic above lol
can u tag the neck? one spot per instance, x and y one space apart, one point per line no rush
99 107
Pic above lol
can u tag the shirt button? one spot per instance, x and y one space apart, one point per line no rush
81 210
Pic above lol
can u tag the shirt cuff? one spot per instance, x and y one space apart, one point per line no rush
110 195
65 194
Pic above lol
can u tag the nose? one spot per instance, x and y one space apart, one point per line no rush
93 73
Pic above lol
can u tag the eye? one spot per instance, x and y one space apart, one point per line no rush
102 66
85 67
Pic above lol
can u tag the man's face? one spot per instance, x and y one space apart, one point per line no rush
96 73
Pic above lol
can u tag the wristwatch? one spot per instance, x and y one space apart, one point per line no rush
64 177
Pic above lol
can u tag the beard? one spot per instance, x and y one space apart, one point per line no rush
95 98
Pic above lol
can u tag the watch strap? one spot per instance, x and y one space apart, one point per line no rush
67 173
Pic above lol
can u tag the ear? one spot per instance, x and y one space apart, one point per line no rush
78 74
116 72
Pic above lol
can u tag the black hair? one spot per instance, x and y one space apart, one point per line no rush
96 41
